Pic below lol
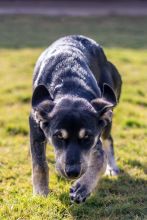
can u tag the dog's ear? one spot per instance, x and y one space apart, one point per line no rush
42 103
105 104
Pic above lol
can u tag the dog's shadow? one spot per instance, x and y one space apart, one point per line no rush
115 196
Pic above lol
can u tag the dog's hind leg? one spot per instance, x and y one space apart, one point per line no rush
39 164
107 140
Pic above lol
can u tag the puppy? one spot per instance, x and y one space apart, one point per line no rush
75 89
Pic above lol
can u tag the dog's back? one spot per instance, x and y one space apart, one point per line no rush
76 63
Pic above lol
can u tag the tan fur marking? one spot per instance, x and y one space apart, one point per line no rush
64 133
82 133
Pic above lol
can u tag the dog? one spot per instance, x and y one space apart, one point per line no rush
75 89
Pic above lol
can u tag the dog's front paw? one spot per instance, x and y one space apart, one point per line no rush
79 193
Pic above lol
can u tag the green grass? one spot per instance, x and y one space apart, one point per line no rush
22 39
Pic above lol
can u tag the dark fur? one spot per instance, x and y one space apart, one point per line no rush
75 87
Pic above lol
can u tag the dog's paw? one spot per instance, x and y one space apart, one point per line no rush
41 191
112 171
79 193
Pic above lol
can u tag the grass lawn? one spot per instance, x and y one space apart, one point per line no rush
22 39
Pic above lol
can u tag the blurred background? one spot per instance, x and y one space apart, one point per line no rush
27 27
74 8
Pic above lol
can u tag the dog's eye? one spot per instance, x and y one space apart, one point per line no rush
62 134
86 136
59 135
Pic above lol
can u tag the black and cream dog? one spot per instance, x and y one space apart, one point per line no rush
75 89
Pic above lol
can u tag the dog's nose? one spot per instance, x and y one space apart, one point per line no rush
72 171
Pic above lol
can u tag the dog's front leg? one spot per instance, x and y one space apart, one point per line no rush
39 164
87 183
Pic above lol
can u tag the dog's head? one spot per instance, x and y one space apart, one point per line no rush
73 126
